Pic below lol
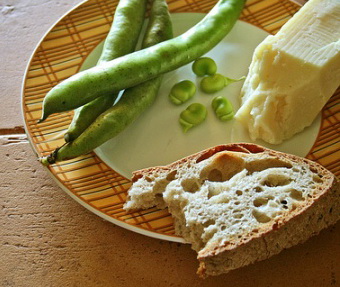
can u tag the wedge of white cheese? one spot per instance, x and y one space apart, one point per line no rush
293 74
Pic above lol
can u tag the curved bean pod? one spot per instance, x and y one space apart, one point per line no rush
140 66
121 40
133 102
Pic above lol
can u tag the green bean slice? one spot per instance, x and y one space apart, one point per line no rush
182 92
192 116
222 108
215 83
204 66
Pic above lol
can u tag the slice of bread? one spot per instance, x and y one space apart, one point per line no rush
240 203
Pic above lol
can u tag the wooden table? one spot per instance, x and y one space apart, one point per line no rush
57 242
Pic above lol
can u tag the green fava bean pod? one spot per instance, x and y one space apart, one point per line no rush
204 66
125 30
182 92
192 116
132 103
84 116
146 64
215 83
222 108
121 40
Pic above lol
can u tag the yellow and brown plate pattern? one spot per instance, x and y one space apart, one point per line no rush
88 179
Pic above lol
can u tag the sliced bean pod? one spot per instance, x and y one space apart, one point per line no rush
132 103
121 40
141 66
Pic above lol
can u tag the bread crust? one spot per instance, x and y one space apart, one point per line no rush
199 156
317 213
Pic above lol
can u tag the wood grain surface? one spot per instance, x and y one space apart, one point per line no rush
47 239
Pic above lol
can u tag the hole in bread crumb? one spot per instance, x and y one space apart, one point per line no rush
239 192
296 194
317 178
190 185
172 175
148 179
260 216
215 175
258 189
276 180
238 215
263 164
209 222
260 201
312 185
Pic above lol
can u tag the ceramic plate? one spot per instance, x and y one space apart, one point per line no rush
100 180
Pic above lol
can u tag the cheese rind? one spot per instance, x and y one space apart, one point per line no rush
293 74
